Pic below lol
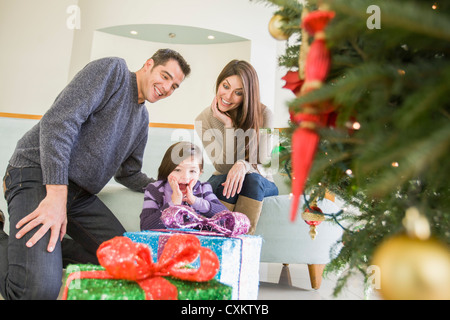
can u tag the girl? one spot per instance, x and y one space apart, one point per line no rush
178 184
234 119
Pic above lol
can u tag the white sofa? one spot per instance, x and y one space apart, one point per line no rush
283 242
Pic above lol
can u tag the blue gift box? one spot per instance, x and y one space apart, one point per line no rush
239 257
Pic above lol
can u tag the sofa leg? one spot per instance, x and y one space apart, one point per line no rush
285 276
315 274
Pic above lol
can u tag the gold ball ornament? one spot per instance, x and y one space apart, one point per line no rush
275 28
413 266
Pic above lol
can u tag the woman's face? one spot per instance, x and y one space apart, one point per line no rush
230 93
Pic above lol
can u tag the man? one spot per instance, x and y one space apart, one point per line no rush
97 128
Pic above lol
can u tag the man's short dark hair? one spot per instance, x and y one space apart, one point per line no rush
163 55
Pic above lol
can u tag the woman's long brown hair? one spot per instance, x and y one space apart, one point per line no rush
249 114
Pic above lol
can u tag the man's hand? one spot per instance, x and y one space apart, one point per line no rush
51 214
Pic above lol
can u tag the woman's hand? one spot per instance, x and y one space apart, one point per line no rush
177 195
219 115
235 179
51 214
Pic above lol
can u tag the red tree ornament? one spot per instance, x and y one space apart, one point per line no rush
317 21
313 218
317 61
305 138
293 82
304 145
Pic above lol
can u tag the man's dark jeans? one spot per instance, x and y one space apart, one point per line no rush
35 273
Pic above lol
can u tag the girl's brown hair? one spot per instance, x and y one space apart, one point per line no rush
175 154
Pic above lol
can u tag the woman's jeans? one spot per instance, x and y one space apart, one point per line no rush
255 187
35 273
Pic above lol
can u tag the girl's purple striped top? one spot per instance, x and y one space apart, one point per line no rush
158 196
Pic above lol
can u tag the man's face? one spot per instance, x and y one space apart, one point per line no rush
161 81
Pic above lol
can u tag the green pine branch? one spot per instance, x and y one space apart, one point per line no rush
395 82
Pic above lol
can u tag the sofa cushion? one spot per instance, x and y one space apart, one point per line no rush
290 242
126 205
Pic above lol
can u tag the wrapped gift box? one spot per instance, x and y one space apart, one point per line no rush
239 257
115 289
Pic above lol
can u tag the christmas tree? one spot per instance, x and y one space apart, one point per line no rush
383 115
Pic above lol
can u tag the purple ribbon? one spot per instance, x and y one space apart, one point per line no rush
225 222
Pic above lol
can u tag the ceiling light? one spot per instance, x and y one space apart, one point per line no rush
134 32
211 37
172 35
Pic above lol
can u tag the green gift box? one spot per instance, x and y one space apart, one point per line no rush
117 289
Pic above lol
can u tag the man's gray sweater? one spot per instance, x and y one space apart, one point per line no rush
96 129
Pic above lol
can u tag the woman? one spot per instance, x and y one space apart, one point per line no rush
230 133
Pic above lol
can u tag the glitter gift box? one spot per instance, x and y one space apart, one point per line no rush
115 289
239 257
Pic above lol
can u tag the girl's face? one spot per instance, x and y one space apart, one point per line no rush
187 171
230 93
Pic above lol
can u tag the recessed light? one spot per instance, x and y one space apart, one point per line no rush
172 35
211 37
134 32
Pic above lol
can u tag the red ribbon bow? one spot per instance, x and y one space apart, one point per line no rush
125 259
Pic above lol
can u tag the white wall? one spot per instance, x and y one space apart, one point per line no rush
40 54
35 52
